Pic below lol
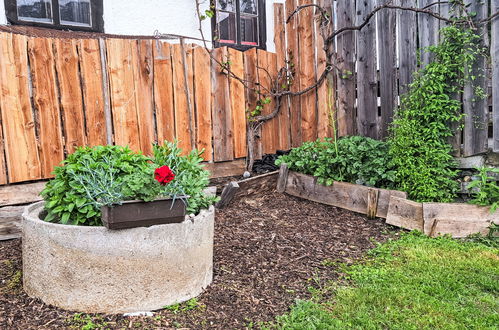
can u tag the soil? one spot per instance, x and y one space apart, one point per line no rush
269 250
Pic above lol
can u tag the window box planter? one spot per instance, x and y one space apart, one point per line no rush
137 213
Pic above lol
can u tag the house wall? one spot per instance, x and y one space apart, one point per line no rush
144 17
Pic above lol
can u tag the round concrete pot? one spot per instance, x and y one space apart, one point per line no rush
96 270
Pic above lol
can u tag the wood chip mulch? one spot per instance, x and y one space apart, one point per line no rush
269 250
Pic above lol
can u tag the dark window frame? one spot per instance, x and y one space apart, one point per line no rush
96 16
262 28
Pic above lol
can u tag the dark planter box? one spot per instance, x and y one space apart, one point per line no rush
137 213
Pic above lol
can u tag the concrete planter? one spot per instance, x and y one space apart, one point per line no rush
96 270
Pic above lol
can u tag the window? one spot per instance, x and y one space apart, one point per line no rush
82 15
239 24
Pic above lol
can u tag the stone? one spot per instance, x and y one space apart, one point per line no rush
96 270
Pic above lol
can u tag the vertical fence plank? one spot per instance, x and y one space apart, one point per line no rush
68 75
280 45
18 123
294 57
181 111
121 81
387 67
202 100
407 46
307 72
428 29
475 109
163 91
221 111
322 90
346 63
494 52
46 100
238 105
93 97
143 66
274 122
367 85
265 81
251 76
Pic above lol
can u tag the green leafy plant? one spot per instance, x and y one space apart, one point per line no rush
104 175
353 159
419 146
485 190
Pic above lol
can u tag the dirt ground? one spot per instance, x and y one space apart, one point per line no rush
268 251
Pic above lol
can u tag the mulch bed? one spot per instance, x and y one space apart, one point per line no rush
268 250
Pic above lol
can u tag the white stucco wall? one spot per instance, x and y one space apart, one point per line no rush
144 17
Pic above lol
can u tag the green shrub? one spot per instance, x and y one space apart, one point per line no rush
353 159
487 189
104 175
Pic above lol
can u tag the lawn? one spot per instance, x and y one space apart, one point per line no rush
412 283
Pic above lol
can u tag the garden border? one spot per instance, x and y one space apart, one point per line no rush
456 219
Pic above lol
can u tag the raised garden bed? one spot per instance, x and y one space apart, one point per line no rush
93 269
434 219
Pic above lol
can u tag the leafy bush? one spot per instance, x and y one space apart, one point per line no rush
419 146
104 175
353 159
487 192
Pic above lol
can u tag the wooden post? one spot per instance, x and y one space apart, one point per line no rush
283 178
227 194
105 91
372 203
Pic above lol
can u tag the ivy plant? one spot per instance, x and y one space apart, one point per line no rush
418 144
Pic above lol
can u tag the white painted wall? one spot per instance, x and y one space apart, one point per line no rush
144 17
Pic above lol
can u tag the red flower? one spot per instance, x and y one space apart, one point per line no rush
163 175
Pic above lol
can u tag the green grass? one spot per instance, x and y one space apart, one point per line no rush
412 283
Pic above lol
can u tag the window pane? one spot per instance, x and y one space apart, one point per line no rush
227 5
34 10
249 30
75 12
249 7
226 23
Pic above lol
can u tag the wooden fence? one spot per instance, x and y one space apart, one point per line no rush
59 93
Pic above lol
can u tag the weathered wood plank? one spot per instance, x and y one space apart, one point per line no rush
10 222
407 45
251 76
405 214
202 100
18 124
255 185
294 57
121 80
323 105
458 220
494 53
475 108
367 84
341 194
372 202
21 193
428 29
182 132
387 67
346 63
67 64
163 91
224 169
223 146
46 101
238 106
307 72
266 74
93 97
144 100
280 45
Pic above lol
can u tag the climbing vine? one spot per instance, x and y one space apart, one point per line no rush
419 145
